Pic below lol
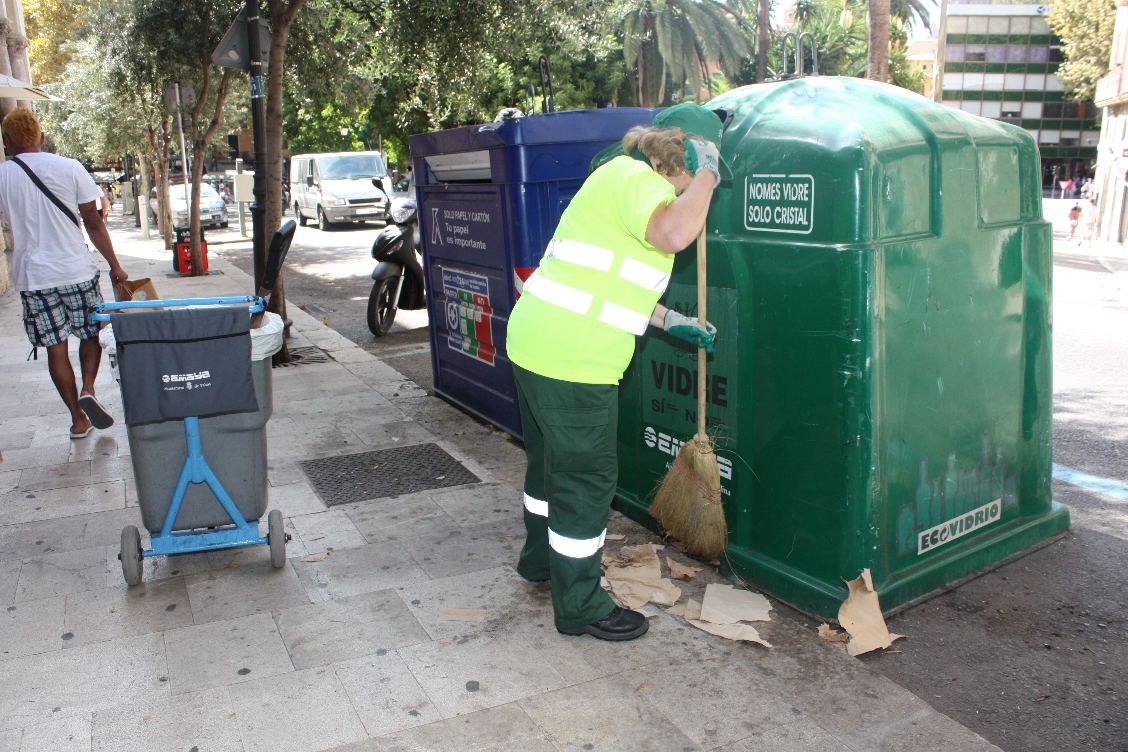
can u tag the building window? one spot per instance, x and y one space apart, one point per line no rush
1057 55
975 53
1032 110
1053 110
1049 137
1011 109
997 54
1016 53
1037 54
954 53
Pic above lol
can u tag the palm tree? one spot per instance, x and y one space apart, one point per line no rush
677 40
877 68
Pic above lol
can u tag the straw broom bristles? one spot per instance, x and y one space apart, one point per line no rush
688 503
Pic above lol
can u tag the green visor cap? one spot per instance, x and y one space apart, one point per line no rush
695 120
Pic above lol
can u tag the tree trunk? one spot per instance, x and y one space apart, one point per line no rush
199 152
143 199
281 16
763 40
877 68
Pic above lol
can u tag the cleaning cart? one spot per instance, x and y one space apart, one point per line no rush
196 391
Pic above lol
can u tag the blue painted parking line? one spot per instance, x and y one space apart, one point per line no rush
1106 486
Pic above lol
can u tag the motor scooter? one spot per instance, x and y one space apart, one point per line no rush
398 279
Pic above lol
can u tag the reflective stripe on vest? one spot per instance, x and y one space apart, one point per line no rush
575 548
624 318
574 300
644 275
536 506
584 254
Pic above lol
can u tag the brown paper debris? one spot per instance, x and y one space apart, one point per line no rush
830 634
860 615
636 577
724 604
615 536
739 632
473 615
320 556
691 609
681 571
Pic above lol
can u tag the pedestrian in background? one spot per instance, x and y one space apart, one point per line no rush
1074 218
43 196
1089 219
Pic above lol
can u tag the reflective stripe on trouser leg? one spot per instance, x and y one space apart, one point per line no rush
576 424
533 564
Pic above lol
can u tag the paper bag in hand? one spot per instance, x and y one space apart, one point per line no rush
136 290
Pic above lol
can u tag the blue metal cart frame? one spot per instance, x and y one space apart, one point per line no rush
195 470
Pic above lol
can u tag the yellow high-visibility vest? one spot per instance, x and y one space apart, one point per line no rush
598 282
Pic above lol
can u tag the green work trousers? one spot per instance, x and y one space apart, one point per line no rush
570 435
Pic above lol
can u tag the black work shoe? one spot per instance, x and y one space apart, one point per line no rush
619 625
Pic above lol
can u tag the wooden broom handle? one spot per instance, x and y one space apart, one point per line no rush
702 295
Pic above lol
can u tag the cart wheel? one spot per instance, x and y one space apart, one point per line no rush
276 535
132 563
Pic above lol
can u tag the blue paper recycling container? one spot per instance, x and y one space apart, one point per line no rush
490 197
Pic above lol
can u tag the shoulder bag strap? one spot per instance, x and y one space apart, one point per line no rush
47 191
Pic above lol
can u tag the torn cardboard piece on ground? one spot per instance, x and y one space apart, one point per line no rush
690 610
739 632
830 634
472 615
636 578
860 615
724 604
681 571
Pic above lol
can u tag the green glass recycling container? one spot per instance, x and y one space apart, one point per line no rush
880 275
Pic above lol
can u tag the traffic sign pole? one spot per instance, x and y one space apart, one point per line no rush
258 125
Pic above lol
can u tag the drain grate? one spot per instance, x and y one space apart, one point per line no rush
385 472
306 356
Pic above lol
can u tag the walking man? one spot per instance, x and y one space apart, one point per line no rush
43 196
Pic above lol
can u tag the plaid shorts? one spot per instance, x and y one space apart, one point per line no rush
51 316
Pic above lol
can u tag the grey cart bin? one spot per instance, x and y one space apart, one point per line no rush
235 445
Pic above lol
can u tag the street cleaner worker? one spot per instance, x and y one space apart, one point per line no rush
572 335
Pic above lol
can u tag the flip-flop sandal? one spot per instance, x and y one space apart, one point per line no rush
75 436
94 410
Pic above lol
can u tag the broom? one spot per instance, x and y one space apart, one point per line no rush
688 503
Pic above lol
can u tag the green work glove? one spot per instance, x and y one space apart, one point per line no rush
703 155
683 327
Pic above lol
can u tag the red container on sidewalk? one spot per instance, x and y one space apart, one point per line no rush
182 256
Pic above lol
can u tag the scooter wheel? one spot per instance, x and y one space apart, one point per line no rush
132 562
381 314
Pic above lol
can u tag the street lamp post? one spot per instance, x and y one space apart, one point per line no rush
344 135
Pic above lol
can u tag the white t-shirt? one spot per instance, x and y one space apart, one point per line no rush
49 250
1088 213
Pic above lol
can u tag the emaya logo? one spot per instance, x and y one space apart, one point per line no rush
176 377
669 445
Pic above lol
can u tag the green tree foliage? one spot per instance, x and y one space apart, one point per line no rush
1086 28
51 25
673 41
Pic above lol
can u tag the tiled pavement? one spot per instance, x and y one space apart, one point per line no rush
221 652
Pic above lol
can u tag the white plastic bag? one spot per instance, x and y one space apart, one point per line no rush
267 339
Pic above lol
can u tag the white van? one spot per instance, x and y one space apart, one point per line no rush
338 188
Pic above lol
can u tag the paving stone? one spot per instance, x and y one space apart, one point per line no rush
31 627
253 588
717 683
391 434
55 476
345 404
225 652
511 475
17 440
68 572
344 628
96 677
200 720
931 730
282 440
30 506
469 549
402 518
22 458
9 480
490 450
301 712
506 728
481 504
9 576
41 537
284 472
111 468
605 714
123 611
360 570
504 595
101 448
70 734
479 671
10 740
801 736
331 530
385 694
295 499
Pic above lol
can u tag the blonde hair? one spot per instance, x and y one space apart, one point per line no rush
664 147
22 128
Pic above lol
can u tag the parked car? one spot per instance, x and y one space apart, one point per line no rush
339 188
213 210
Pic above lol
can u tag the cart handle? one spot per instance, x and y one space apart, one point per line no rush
101 311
